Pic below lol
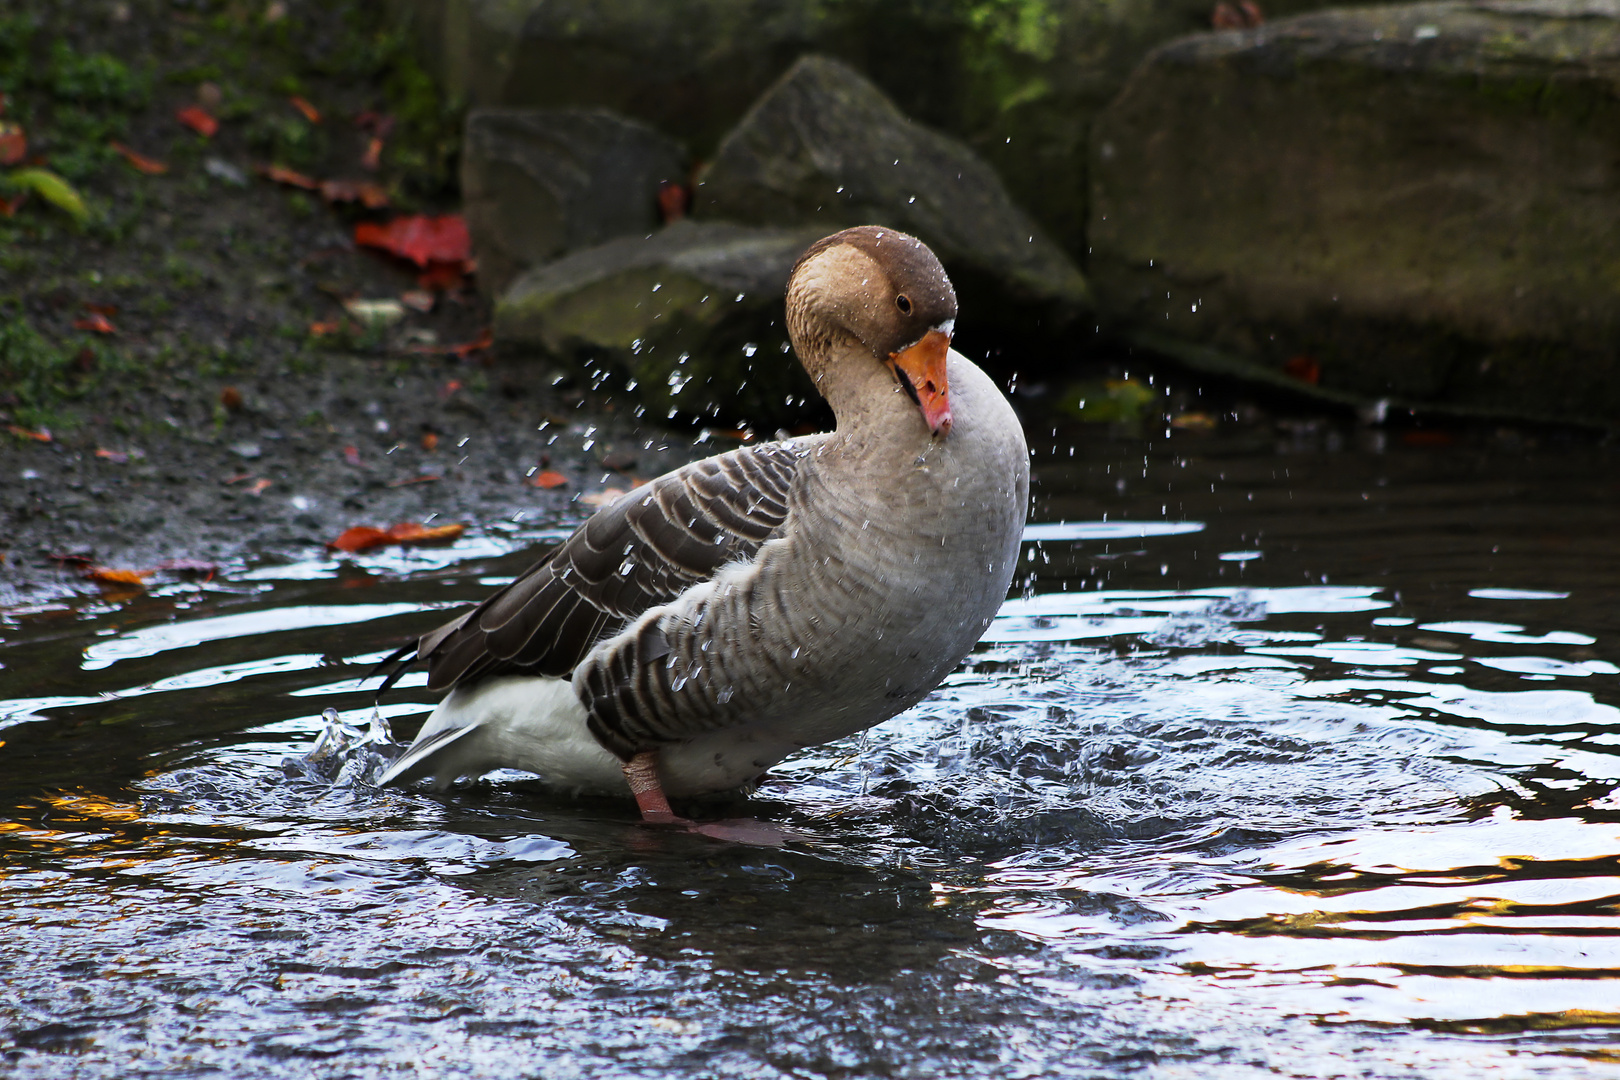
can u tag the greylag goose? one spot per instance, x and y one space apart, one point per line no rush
706 625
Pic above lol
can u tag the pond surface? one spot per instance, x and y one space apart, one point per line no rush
1298 754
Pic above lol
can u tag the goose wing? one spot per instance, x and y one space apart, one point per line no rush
643 549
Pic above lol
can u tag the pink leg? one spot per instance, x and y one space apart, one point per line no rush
641 772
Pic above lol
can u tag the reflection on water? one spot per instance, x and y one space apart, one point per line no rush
1281 762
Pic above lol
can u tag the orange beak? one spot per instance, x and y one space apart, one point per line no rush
921 370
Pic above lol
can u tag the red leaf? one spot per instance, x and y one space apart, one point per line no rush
445 277
311 113
197 119
463 350
409 532
325 328
13 143
673 201
117 457
430 441
281 175
351 455
372 158
96 323
360 538
258 487
42 435
1304 368
419 238
142 163
549 479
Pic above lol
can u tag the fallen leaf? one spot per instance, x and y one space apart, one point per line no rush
419 238
418 299
359 538
282 175
430 441
450 388
258 487
409 532
366 193
70 558
372 158
198 119
1304 368
1193 421
210 96
117 457
326 328
96 323
102 309
311 113
41 435
13 143
601 498
238 478
673 201
231 398
550 479
53 189
351 455
108 575
362 537
142 163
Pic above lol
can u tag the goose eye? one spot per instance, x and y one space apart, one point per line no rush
903 302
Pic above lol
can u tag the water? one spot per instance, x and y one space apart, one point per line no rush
1298 755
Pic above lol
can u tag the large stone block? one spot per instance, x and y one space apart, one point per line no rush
1422 198
688 320
1018 81
824 147
542 182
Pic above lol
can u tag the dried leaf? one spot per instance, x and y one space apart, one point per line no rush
351 455
674 200
463 350
281 175
366 193
96 323
142 163
409 532
360 538
372 158
41 435
107 575
231 398
258 487
198 119
117 457
384 312
419 238
601 498
13 143
549 479
1193 421
53 189
430 441
326 327
311 113
444 277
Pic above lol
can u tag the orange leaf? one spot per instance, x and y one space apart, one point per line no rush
13 143
673 201
197 119
116 577
351 454
324 329
95 322
430 441
409 532
366 193
373 155
443 276
258 487
281 175
42 435
117 457
419 238
142 163
549 479
311 113
360 538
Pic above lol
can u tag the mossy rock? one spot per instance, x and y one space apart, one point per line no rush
1419 198
824 147
689 320
539 183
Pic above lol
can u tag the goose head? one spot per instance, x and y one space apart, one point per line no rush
872 301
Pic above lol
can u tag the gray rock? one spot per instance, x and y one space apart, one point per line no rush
688 320
1018 81
542 182
1419 198
825 147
